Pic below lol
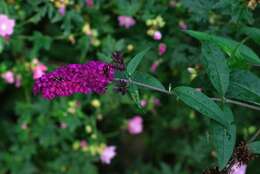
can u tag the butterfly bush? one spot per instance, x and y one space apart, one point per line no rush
93 76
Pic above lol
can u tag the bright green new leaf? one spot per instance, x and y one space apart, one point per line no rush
224 139
1 44
231 47
216 66
201 103
254 147
135 61
245 86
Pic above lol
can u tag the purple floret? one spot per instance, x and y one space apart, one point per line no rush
93 76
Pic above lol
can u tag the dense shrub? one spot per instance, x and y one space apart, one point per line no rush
129 86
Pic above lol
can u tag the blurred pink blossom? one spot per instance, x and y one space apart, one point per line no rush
162 48
24 126
83 143
18 79
156 102
126 21
8 76
143 103
62 10
89 3
157 35
63 125
108 154
135 125
39 70
183 25
238 169
155 65
6 25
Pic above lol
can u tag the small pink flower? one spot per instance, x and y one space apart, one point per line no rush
199 89
6 25
135 125
157 35
63 125
183 25
156 102
126 21
162 48
89 3
62 11
8 76
39 70
143 103
18 79
238 169
155 65
108 154
83 143
24 126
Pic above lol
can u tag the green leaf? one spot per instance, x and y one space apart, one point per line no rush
231 47
254 147
244 86
253 33
223 138
147 79
1 44
135 61
134 94
216 66
201 103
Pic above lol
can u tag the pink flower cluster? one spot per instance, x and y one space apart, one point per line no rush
10 78
126 21
38 69
6 26
135 125
108 154
89 3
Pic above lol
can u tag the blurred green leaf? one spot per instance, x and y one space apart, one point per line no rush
134 94
231 47
147 79
201 103
254 147
224 139
1 44
253 33
216 66
135 61
245 86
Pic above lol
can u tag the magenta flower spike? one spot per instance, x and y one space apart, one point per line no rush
93 76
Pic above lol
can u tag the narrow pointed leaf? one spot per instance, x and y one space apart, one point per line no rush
216 66
147 79
201 103
245 86
231 47
253 33
135 61
223 138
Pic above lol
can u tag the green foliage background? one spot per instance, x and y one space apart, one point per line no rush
175 138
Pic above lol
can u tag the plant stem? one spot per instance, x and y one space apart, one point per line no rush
145 86
254 136
238 103
171 93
